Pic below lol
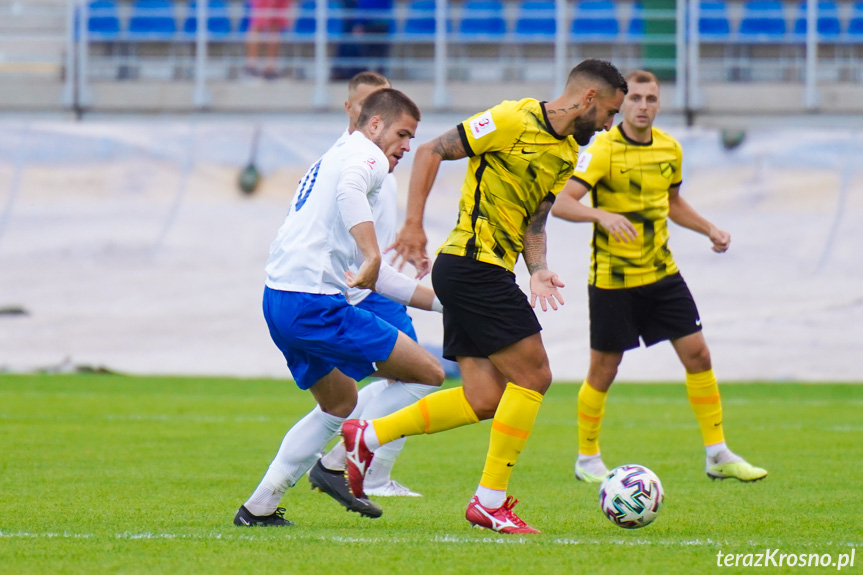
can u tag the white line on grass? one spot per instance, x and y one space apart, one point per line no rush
49 535
266 535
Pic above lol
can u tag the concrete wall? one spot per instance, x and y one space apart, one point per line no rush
285 96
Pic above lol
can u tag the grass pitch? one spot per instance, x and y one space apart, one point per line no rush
112 474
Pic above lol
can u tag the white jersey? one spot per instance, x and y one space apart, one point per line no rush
385 214
314 248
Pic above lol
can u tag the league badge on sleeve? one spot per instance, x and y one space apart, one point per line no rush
482 125
583 161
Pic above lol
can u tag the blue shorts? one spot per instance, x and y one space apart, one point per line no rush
391 312
319 332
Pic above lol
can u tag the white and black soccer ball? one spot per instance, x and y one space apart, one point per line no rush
631 496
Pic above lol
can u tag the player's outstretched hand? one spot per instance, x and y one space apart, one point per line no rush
410 247
721 240
618 226
366 276
543 286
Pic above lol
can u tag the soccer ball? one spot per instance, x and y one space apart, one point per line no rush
631 496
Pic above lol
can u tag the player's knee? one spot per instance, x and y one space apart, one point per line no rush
484 404
485 409
699 360
341 407
438 375
537 379
433 373
543 379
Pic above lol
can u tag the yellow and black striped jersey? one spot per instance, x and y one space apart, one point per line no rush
516 161
632 179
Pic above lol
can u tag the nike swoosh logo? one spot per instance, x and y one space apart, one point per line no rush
717 424
523 151
698 322
510 464
623 171
243 520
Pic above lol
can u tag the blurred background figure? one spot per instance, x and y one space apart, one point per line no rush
368 30
269 19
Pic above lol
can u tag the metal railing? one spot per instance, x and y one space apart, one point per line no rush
442 53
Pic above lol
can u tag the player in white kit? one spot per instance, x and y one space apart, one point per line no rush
327 475
327 343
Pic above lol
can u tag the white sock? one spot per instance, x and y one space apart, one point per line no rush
300 449
371 438
334 459
490 498
719 453
589 458
366 394
395 397
381 468
715 449
264 500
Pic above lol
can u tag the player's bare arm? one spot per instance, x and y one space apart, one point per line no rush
543 282
410 244
423 298
366 277
568 207
683 214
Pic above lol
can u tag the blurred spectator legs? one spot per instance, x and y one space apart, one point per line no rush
269 19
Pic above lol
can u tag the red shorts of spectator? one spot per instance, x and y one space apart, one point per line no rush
270 15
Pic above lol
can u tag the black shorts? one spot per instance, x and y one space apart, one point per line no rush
484 310
655 312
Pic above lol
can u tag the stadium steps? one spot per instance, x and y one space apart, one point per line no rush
32 37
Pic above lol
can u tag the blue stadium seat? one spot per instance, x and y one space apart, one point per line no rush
855 24
595 20
218 21
377 16
536 20
306 23
420 20
828 20
152 20
763 20
713 22
103 20
482 20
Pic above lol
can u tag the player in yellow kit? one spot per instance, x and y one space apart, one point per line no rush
521 154
633 173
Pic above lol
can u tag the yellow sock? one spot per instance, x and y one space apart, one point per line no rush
510 429
704 398
439 411
591 406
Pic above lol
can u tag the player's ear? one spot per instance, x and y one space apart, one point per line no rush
588 98
376 125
